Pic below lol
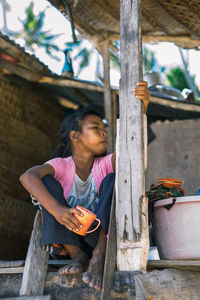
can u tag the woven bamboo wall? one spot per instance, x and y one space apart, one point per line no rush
28 125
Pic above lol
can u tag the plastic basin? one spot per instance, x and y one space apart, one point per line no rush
177 229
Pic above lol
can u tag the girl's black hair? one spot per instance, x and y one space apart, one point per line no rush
73 122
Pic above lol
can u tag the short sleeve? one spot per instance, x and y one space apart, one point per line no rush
58 165
105 163
64 172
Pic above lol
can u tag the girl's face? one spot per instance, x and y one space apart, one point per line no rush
93 136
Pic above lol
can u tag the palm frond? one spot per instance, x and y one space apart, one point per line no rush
115 58
74 45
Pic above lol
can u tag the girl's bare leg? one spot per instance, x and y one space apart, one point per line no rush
79 261
94 274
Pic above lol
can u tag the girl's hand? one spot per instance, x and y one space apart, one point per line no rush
65 216
142 92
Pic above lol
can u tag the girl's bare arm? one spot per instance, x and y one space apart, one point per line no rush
31 180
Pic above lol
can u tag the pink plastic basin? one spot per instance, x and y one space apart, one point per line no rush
177 230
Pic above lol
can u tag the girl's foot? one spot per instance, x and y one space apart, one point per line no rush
94 274
79 261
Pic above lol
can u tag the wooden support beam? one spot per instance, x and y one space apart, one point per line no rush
36 263
12 270
192 265
30 75
168 284
11 263
47 297
165 284
7 67
176 104
71 83
67 103
107 95
131 203
187 42
81 98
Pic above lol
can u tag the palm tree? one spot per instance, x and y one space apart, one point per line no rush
83 53
189 79
176 79
148 59
33 33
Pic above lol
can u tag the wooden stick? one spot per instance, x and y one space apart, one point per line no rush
12 270
46 297
11 263
193 265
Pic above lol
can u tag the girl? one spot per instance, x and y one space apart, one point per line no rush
80 175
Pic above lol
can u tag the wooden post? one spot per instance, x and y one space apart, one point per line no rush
107 95
131 203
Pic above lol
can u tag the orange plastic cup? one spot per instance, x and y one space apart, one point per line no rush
86 220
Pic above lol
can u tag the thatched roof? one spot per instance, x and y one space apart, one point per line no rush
162 20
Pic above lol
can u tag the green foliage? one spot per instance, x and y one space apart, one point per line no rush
33 33
83 55
115 59
176 79
148 59
115 55
72 45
